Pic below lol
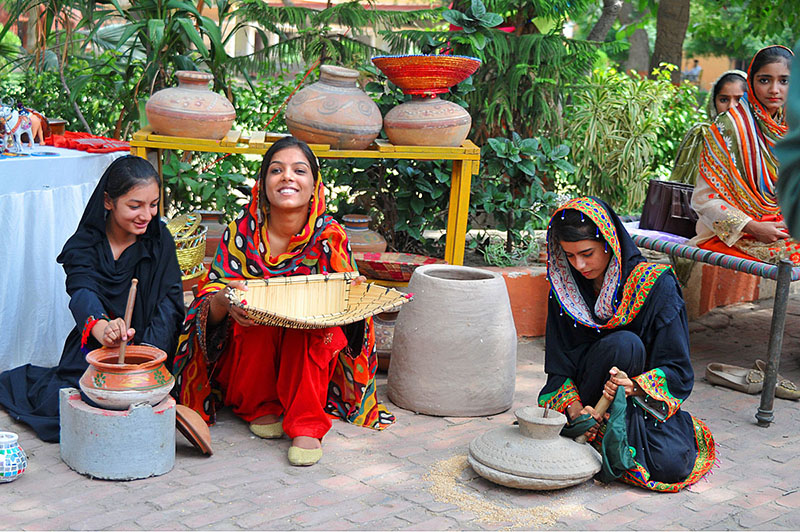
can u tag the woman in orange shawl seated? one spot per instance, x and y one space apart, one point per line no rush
303 376
735 197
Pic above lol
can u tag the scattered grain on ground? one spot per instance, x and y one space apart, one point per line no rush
447 485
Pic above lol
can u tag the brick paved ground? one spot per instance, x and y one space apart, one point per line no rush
371 480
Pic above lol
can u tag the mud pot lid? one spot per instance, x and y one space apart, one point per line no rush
192 426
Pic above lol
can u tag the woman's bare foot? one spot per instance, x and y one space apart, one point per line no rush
306 442
269 419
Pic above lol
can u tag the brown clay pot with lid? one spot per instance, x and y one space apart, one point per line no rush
360 236
191 109
334 111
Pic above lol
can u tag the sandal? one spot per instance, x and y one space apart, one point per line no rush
785 389
735 377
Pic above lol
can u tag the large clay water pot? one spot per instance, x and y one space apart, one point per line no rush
143 378
191 109
360 236
334 111
533 455
427 122
454 349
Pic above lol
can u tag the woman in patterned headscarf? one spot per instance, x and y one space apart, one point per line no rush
735 195
616 328
725 93
303 376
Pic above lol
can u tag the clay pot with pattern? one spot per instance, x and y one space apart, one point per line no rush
427 122
360 236
334 111
191 109
143 378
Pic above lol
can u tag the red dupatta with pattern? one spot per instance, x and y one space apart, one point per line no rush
737 161
244 253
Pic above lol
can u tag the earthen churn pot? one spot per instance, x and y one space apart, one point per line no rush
454 351
191 109
334 111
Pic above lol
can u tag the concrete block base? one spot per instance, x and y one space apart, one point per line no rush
117 445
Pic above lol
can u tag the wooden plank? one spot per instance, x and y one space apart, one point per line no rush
142 133
257 139
384 145
231 138
470 146
167 142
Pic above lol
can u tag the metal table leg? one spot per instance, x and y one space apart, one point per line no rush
764 414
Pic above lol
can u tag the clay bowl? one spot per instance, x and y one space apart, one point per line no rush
142 379
390 266
426 74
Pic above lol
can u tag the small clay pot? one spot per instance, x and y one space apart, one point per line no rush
143 378
360 236
212 220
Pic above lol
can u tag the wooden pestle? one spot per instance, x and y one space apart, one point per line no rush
128 316
602 405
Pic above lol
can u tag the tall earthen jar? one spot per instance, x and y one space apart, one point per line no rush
334 111
191 109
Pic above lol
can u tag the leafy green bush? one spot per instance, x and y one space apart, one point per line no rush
624 130
511 189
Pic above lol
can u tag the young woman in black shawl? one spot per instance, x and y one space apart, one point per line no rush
120 237
611 312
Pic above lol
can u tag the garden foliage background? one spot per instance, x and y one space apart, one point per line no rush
555 115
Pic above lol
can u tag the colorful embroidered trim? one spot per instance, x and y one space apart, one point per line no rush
706 457
91 321
565 289
561 398
654 384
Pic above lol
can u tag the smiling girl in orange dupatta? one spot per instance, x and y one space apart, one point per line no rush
304 376
735 195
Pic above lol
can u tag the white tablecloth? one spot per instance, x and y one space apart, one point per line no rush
41 201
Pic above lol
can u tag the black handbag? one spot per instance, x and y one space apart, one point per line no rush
668 208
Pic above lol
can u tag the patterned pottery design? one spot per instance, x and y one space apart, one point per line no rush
427 122
13 461
143 377
191 109
360 236
334 111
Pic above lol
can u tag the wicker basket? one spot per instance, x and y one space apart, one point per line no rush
315 301
190 244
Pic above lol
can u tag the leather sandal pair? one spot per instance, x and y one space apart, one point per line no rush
735 377
785 389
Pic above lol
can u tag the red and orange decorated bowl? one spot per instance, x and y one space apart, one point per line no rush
391 266
426 74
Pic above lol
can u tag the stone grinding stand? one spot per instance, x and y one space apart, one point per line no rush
134 441
533 455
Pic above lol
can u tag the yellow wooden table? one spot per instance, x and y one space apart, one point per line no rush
466 162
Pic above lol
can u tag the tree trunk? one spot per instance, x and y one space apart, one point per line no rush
607 17
671 24
639 51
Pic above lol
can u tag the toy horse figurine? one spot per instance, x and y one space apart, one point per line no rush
19 121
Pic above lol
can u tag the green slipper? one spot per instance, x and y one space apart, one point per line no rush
272 431
304 457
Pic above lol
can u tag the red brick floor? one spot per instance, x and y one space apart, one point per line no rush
371 480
